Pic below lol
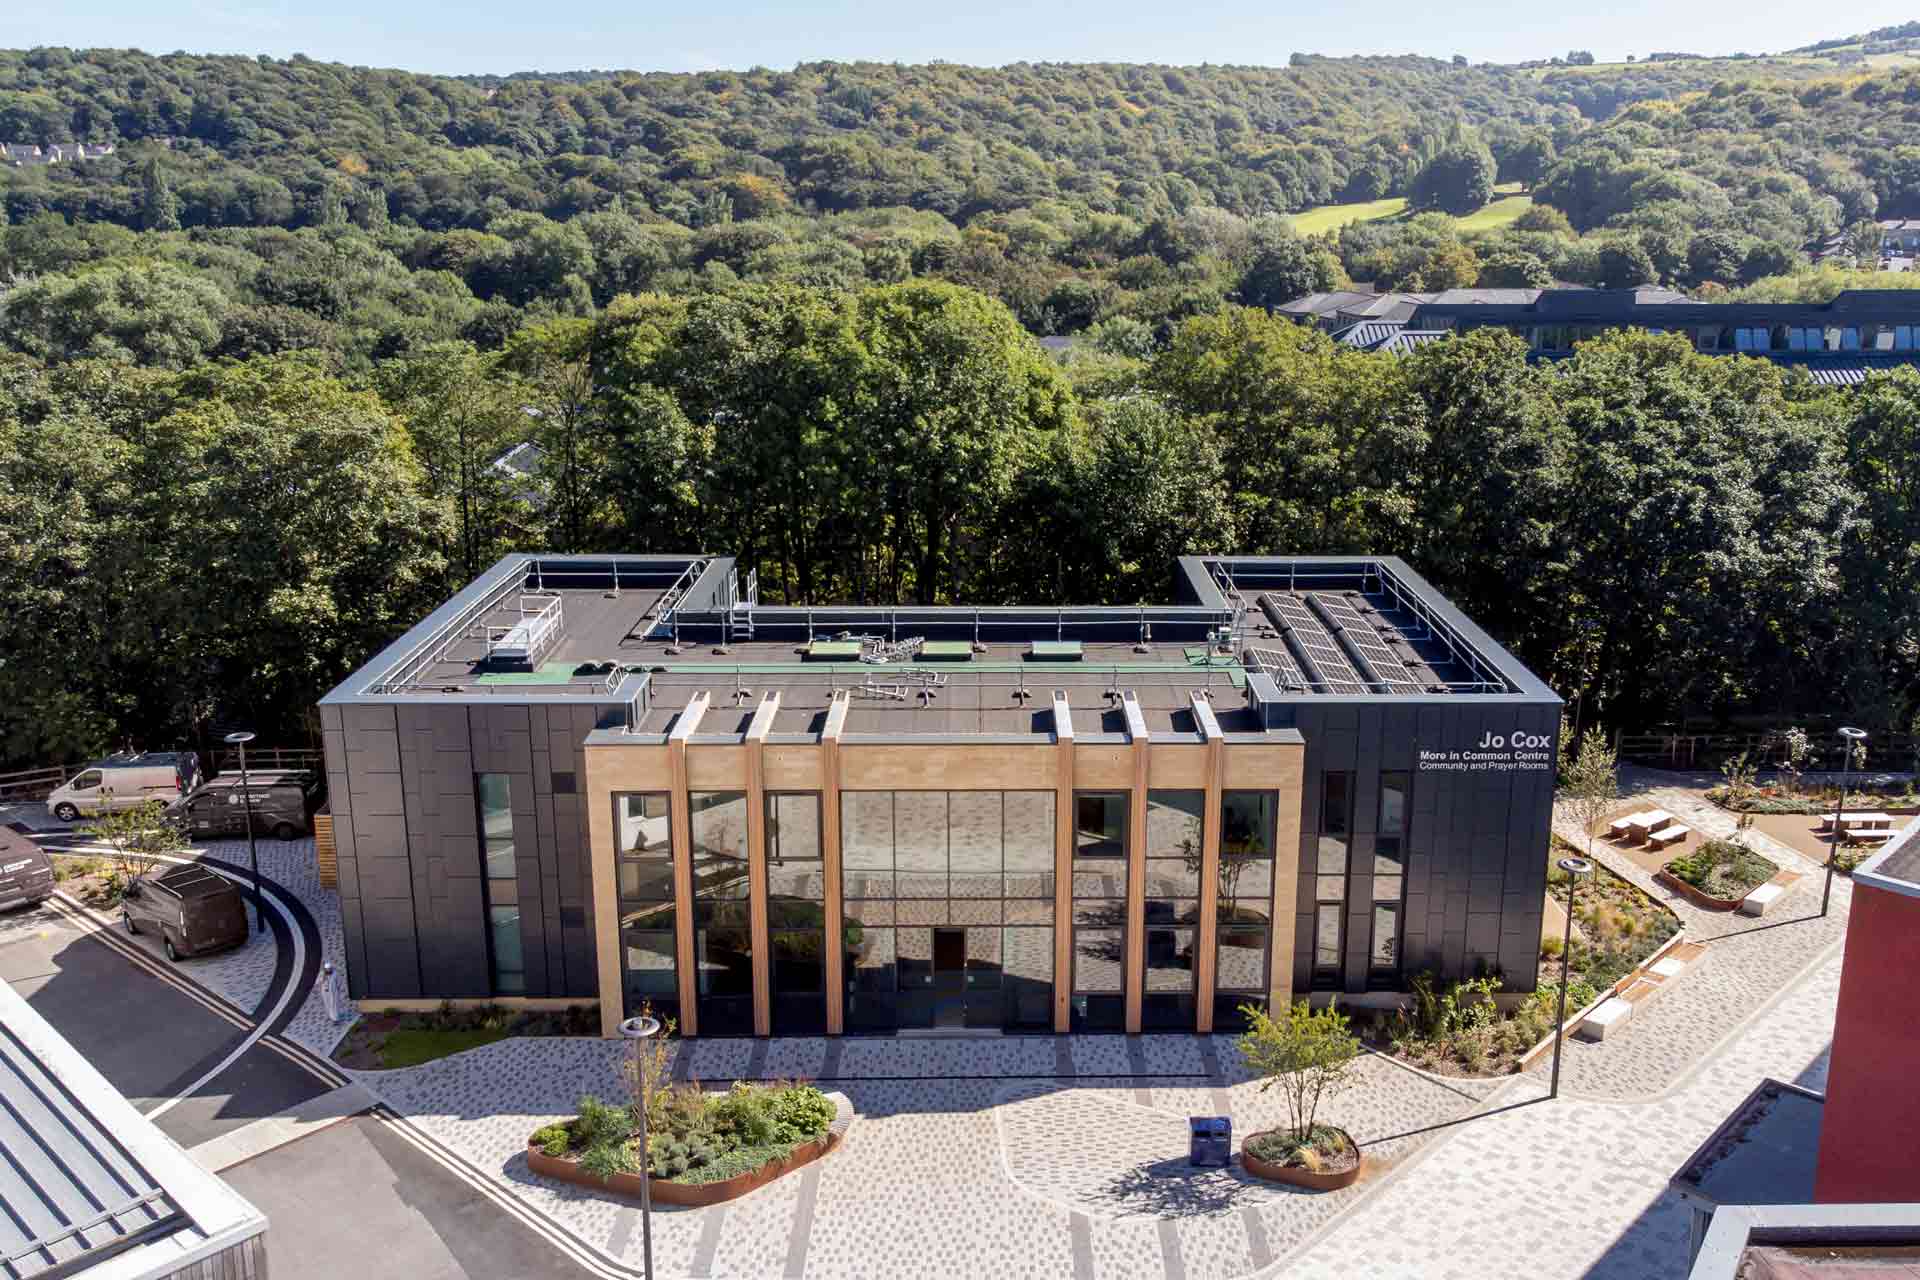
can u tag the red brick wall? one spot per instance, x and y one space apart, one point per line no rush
1870 1134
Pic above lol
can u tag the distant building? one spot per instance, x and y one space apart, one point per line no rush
1790 1165
1837 342
27 154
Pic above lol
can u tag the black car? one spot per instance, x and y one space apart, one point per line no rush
193 910
26 872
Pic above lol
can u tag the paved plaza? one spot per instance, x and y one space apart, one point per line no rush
1065 1156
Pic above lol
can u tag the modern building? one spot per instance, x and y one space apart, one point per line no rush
1794 1167
90 1189
1837 342
625 778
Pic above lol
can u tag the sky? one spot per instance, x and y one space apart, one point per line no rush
496 36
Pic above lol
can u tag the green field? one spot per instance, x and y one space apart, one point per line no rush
1507 206
1331 217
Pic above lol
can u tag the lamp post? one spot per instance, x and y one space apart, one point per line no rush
1575 868
637 1032
240 738
1850 741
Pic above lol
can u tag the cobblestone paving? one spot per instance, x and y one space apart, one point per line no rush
1576 1187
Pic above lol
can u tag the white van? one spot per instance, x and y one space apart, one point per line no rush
123 781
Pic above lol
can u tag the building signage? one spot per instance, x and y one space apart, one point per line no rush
1494 753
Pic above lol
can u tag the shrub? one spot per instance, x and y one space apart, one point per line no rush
553 1139
597 1122
800 1112
746 1113
604 1159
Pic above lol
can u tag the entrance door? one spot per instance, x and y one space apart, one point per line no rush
949 977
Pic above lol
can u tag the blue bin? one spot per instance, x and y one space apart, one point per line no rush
1212 1142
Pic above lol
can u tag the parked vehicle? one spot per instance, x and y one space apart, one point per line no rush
284 801
26 872
125 781
192 909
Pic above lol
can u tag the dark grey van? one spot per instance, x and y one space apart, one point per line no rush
284 801
193 910
26 872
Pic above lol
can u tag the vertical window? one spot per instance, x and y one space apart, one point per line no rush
796 913
1175 821
722 931
1330 875
644 870
1243 913
498 862
1389 878
1099 910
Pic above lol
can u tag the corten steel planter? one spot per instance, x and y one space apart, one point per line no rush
1698 897
1298 1177
695 1195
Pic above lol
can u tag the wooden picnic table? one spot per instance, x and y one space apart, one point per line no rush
1652 819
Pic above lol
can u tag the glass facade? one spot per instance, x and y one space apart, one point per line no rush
796 913
948 900
500 865
722 929
1172 895
1099 911
644 870
1244 914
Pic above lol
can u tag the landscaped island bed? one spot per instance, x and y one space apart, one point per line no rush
702 1148
1719 874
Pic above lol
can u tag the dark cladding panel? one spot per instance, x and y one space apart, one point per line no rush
375 798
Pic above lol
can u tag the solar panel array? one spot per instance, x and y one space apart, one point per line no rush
1279 664
1330 668
1360 634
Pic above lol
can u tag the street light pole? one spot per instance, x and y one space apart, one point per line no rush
1849 740
1575 868
240 739
637 1032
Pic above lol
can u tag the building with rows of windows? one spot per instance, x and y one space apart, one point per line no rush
1836 342
625 778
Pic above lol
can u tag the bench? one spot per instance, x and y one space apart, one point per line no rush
1673 834
1610 1016
1866 835
1757 902
1859 818
1623 826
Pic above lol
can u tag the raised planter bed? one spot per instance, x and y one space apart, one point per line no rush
1698 897
701 1194
691 1195
1295 1176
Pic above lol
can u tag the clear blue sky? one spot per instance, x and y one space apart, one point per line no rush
498 36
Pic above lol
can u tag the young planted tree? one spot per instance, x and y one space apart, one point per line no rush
1307 1054
138 836
1593 783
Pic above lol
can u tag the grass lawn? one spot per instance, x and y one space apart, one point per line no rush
408 1048
1507 205
1495 215
1331 217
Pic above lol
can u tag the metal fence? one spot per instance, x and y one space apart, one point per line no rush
268 758
1710 750
31 784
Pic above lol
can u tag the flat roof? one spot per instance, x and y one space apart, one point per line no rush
644 634
1895 868
1765 1152
85 1178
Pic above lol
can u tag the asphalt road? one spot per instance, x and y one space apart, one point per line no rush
357 1199
150 1040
